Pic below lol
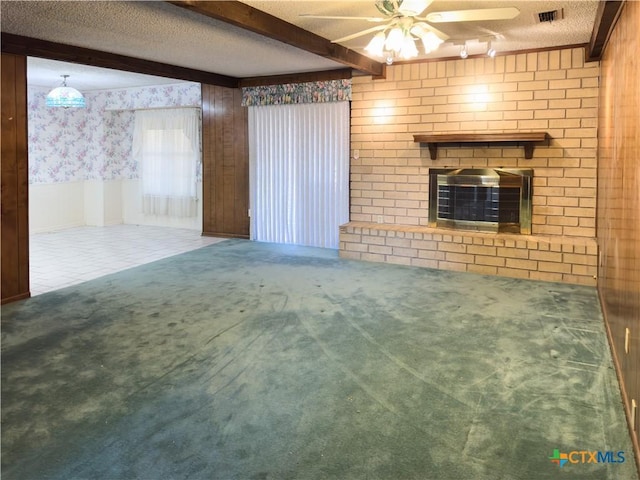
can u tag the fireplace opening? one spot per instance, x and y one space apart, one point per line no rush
494 200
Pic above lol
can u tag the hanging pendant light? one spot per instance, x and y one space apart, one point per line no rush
65 97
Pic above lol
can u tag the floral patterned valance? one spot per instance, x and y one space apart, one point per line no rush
309 92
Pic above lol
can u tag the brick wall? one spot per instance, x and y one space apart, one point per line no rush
536 257
553 91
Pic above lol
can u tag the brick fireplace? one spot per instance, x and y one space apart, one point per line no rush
554 92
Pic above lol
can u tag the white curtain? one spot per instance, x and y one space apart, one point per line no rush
299 172
166 145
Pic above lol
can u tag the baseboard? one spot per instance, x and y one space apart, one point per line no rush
56 228
224 235
623 389
15 298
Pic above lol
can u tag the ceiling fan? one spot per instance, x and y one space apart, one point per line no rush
401 25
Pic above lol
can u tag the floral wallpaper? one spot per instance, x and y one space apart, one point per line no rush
309 92
67 145
57 148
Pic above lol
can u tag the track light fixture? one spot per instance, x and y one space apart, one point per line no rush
464 53
491 52
464 47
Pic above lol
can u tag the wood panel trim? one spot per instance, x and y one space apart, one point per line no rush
618 205
34 47
225 161
340 74
244 16
225 235
621 381
606 18
15 298
15 180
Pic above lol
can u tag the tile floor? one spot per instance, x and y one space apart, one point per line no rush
75 255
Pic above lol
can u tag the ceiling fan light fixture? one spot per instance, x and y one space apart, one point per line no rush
376 45
408 49
398 39
431 42
403 26
418 30
395 39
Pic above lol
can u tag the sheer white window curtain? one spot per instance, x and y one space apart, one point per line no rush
299 172
166 145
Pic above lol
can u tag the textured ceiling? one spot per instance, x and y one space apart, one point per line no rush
165 33
160 32
46 73
521 33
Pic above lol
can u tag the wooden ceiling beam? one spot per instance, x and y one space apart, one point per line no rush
606 17
262 23
34 47
296 78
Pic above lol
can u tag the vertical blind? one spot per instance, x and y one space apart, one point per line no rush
166 145
299 172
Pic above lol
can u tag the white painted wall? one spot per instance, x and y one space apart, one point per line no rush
56 206
112 207
94 203
103 202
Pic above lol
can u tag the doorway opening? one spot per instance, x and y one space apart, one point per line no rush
84 185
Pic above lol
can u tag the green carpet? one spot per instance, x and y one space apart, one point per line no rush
247 360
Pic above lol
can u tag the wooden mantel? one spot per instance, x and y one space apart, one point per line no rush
527 139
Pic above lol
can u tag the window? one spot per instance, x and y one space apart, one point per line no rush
166 145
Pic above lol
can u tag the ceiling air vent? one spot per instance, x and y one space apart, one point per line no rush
550 16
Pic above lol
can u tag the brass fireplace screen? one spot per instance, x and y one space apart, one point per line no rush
493 200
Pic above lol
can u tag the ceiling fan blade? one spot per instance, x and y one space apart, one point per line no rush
330 17
377 28
411 8
506 13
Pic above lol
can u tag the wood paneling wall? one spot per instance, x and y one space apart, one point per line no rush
15 180
225 160
618 215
